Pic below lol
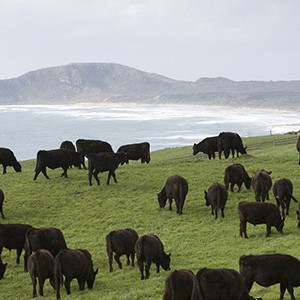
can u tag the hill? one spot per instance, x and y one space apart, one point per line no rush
98 82
85 214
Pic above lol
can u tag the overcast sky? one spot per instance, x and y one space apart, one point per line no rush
180 39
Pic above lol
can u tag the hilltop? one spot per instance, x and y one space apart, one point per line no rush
108 82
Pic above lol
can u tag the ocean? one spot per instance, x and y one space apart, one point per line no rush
26 129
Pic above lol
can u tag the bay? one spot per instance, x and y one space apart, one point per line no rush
26 129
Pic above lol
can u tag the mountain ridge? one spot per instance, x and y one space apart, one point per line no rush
110 82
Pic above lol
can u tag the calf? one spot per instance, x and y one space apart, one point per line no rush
236 174
283 193
41 267
181 285
8 159
1 203
12 236
74 264
176 187
53 159
148 249
121 242
208 146
137 151
261 183
270 269
103 162
216 197
48 238
222 284
259 213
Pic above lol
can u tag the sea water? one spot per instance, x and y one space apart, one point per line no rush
26 129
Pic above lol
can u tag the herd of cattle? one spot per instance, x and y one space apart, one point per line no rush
48 257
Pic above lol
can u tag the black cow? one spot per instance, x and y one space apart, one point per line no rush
270 269
176 187
230 142
104 162
259 213
1 203
74 264
216 197
8 159
121 242
2 268
148 249
283 193
85 147
181 285
57 158
48 238
222 284
41 267
208 146
12 236
261 183
67 145
236 174
298 148
137 151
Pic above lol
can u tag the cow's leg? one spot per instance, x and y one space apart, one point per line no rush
243 229
41 285
81 283
19 252
141 267
239 186
64 173
37 172
209 156
231 187
1 210
290 290
213 155
4 168
128 259
114 176
34 282
67 285
222 212
95 174
216 212
147 269
170 203
110 257
45 173
117 259
157 268
132 259
268 230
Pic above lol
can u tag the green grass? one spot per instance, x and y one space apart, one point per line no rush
86 214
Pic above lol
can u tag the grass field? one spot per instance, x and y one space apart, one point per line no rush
85 214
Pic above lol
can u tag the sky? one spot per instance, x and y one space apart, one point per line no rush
180 39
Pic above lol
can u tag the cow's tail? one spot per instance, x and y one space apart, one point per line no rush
58 275
109 249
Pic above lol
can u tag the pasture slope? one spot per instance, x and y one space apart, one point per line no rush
86 214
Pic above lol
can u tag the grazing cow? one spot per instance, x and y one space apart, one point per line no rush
48 238
270 269
222 284
208 146
176 187
41 267
181 285
74 264
57 158
261 183
216 197
1 203
8 159
259 213
85 147
2 268
236 174
67 145
137 151
12 236
148 249
298 148
230 142
121 242
103 162
283 193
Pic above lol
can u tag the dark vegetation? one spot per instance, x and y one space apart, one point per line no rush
86 214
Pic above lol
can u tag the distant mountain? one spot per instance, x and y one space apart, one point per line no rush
99 82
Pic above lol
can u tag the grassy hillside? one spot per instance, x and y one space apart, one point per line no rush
86 214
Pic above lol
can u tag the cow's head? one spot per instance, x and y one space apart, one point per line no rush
165 262
91 279
17 166
162 198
